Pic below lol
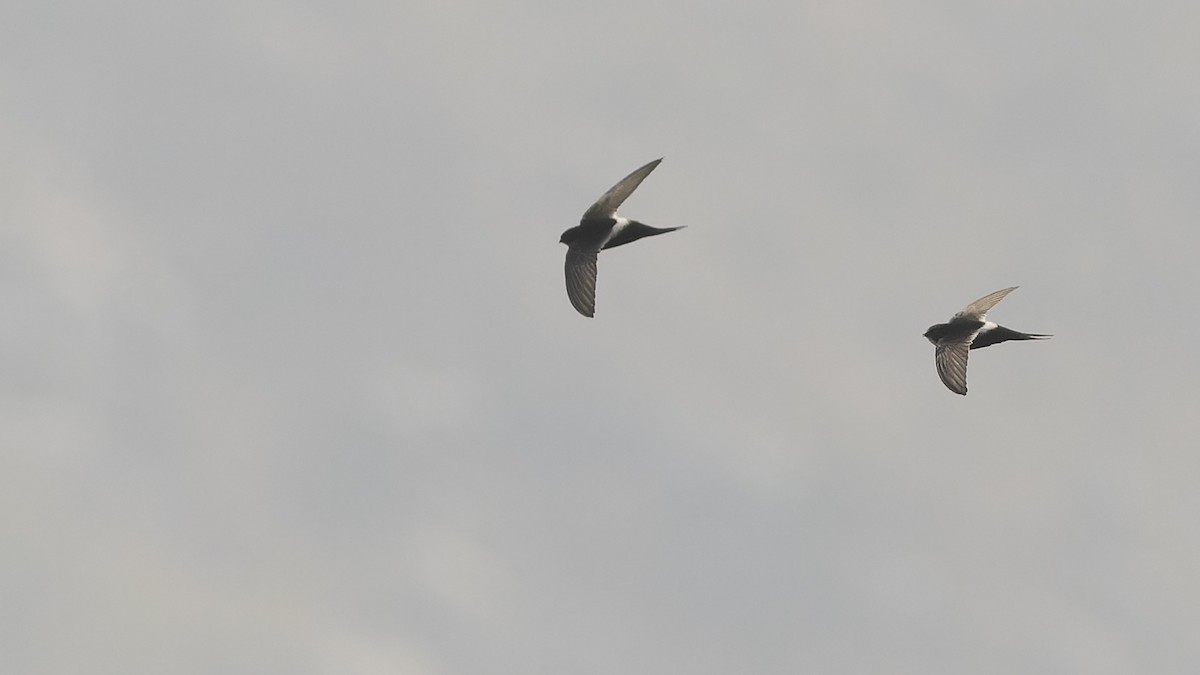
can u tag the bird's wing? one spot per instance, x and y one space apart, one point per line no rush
951 358
581 279
606 206
978 310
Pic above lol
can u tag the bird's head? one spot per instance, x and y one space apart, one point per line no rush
569 236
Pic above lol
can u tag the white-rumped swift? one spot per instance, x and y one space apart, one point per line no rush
599 229
967 330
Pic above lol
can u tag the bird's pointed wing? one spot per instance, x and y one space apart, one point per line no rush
951 358
606 206
581 279
978 310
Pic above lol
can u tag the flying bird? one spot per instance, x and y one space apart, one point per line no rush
599 229
967 330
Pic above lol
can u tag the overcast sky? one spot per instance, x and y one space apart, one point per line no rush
290 382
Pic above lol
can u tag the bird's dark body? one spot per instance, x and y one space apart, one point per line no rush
952 331
587 230
961 329
597 229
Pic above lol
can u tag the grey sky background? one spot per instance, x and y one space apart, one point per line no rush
290 383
